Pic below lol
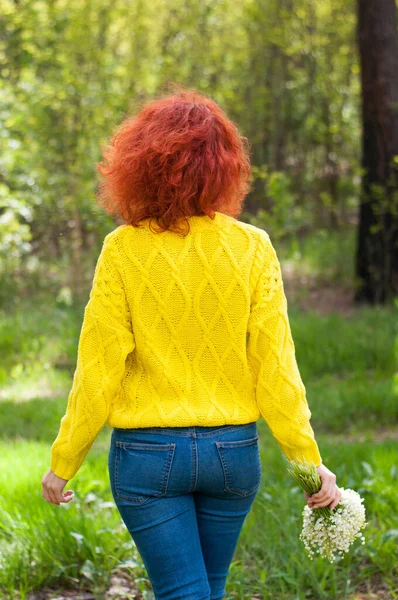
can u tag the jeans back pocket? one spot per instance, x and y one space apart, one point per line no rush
241 464
142 470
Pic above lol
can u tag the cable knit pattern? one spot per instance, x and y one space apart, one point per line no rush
182 331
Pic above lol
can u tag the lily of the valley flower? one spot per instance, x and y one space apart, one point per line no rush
326 531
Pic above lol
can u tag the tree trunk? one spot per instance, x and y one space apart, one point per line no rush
377 246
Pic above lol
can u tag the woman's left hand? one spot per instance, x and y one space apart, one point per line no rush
52 488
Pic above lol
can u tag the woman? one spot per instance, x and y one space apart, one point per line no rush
185 344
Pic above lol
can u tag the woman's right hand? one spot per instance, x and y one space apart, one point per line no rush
329 494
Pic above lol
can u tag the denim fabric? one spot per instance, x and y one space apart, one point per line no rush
183 494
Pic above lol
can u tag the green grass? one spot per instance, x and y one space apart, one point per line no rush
349 368
81 543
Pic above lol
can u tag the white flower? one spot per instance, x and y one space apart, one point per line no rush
335 533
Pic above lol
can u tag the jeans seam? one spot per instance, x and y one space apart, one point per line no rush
237 443
169 465
196 463
193 455
169 430
143 445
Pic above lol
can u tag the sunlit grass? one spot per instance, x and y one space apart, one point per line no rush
79 544
73 544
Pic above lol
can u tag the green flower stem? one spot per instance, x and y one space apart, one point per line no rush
308 478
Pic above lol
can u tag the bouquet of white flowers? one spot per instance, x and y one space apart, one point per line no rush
328 531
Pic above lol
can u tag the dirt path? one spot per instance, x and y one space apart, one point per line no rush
376 435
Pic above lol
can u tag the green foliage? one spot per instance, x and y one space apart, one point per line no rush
38 347
285 215
326 255
287 74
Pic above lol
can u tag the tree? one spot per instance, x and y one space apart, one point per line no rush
377 244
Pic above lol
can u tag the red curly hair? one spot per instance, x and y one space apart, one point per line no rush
179 156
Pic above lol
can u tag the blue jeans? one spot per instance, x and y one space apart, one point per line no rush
183 494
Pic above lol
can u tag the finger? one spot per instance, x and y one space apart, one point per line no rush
59 496
328 482
47 495
318 497
337 499
325 502
67 496
325 489
323 493
328 496
52 496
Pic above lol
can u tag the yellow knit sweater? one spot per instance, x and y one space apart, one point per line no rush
185 331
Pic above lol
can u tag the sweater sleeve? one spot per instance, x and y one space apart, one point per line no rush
280 392
106 339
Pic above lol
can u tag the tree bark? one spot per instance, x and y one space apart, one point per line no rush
377 243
